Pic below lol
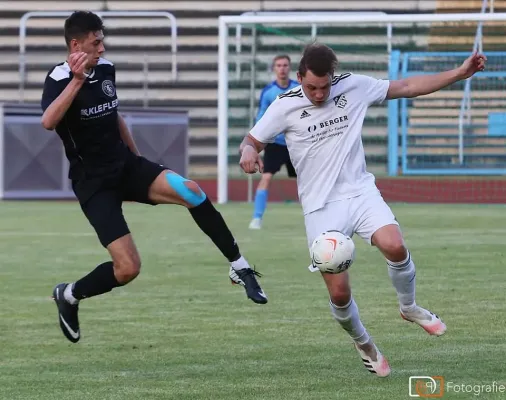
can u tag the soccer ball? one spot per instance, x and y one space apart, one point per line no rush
332 252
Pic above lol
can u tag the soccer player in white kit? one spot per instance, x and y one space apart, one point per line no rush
322 120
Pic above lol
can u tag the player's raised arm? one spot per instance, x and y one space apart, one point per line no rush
415 86
55 103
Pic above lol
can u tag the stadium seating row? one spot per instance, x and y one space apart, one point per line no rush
141 49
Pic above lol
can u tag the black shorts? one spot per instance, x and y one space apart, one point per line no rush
275 156
101 198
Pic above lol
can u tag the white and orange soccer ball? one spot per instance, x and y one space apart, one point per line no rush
332 252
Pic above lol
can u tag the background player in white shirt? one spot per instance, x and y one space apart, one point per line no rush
336 191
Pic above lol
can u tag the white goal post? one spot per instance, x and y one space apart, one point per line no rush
225 22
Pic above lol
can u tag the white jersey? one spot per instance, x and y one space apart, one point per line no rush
325 141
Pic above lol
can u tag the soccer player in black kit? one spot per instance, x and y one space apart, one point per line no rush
79 102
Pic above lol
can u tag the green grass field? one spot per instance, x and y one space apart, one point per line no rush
182 331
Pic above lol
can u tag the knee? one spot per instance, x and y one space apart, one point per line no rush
340 296
189 191
127 269
193 195
390 242
266 178
395 250
265 181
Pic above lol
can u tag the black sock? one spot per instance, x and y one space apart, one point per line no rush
213 225
100 280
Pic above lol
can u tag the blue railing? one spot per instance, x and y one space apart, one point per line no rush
431 153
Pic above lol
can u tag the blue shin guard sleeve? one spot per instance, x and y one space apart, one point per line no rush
260 203
177 182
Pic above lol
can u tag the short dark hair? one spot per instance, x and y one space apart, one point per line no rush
80 24
281 57
319 59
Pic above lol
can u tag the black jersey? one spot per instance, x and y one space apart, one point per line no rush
89 130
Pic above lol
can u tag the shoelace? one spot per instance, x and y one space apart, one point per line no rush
250 271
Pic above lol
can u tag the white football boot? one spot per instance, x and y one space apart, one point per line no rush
374 363
256 223
429 321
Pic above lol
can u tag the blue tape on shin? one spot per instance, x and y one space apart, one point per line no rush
177 182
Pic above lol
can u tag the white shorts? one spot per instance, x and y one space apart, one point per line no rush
363 215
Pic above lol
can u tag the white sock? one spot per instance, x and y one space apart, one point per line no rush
403 278
67 294
349 318
241 263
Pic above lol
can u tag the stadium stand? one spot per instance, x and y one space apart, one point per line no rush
132 41
432 138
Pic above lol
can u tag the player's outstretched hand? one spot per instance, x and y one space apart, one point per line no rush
77 63
475 63
250 161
